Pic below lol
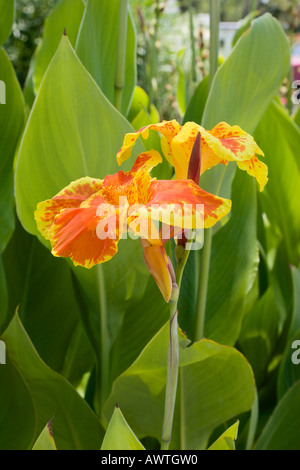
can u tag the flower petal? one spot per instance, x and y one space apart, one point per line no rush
168 129
256 168
222 144
70 197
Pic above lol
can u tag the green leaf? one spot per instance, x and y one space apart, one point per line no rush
249 79
140 100
45 440
12 115
74 424
99 33
278 135
34 275
196 106
245 25
259 334
7 9
17 410
282 430
119 436
289 372
227 440
219 377
66 14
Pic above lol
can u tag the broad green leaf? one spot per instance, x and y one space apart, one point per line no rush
42 288
196 106
119 436
17 411
99 33
279 136
215 384
11 124
45 440
227 440
249 79
289 371
7 11
259 334
74 424
66 15
142 320
282 429
245 24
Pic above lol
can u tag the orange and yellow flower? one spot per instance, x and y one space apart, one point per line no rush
222 144
87 219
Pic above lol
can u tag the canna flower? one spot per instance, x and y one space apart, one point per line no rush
222 144
88 218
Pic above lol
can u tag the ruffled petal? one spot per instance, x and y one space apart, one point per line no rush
70 197
256 168
75 235
168 129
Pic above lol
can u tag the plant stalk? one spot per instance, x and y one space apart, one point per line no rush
193 43
173 356
214 6
121 54
206 250
105 345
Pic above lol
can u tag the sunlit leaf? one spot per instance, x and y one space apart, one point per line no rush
227 440
11 124
119 436
218 376
7 11
99 33
74 424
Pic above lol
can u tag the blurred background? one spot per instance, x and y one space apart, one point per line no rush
170 34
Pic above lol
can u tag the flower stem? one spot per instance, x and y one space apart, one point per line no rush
206 250
173 355
214 6
105 346
121 54
193 43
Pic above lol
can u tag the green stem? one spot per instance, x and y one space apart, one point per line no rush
121 54
105 345
214 6
291 72
193 43
253 5
173 356
206 250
